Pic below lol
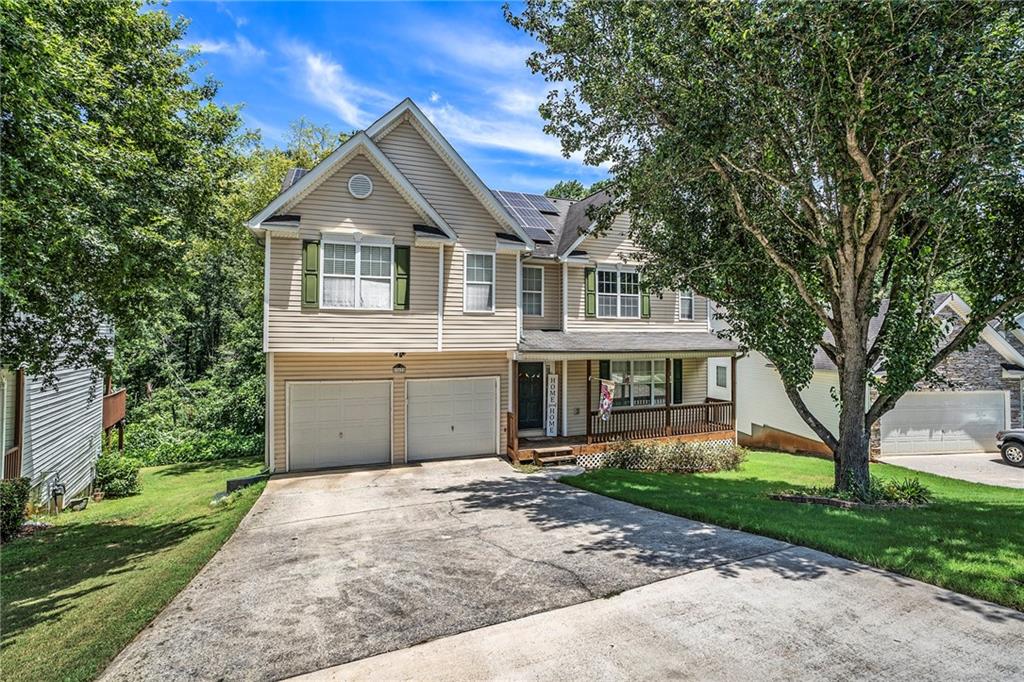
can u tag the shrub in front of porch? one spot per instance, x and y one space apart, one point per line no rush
673 457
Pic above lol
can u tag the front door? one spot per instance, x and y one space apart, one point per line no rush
531 395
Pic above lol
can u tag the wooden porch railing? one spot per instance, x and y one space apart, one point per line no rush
512 438
657 421
12 462
113 409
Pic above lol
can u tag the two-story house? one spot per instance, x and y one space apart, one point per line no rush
412 313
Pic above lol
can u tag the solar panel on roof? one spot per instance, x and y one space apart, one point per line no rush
538 235
541 203
523 210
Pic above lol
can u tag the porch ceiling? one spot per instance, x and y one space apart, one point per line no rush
536 341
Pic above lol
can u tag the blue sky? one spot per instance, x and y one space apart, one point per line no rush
345 64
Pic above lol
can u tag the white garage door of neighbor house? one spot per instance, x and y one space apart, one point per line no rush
451 417
338 424
943 422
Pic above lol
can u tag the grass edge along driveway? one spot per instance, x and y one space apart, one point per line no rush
74 595
970 539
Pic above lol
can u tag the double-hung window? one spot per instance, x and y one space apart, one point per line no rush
479 285
686 304
618 292
638 383
357 275
533 291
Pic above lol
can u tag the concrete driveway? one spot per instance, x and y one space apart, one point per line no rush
333 568
986 467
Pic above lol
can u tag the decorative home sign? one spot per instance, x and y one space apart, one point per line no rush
551 406
607 395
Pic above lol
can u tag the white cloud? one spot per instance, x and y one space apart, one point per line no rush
240 51
327 83
468 46
518 101
238 19
498 132
435 97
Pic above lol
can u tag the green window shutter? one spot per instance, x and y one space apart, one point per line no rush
645 305
401 278
590 275
310 274
605 369
677 381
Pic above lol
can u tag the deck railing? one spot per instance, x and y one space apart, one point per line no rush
654 422
12 462
113 409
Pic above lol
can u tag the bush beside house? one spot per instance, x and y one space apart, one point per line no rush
14 494
673 457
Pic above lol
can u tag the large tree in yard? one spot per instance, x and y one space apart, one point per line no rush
802 162
112 161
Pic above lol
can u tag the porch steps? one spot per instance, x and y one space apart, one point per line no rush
554 455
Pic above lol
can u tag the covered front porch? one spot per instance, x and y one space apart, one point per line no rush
663 390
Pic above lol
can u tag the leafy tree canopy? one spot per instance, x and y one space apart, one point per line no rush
574 189
800 162
112 159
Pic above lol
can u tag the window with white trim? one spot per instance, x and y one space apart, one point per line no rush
721 376
686 304
533 291
478 295
356 275
638 383
618 292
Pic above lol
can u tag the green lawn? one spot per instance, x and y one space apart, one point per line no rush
74 595
970 539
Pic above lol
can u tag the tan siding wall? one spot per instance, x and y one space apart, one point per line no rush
664 311
330 208
476 228
371 366
695 373
552 318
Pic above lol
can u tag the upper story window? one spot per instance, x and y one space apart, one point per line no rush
356 275
686 304
618 292
638 383
533 291
478 295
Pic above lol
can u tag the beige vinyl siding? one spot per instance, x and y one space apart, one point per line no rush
330 208
379 366
664 310
552 318
695 373
476 228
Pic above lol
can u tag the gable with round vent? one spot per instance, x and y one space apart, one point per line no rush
360 186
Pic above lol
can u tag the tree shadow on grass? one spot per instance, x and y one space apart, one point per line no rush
943 539
47 575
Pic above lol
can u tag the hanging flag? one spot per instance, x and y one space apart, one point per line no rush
607 395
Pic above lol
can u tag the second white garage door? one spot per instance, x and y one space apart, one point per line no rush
451 417
338 424
942 422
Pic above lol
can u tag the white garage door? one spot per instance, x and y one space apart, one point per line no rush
944 422
338 424
452 417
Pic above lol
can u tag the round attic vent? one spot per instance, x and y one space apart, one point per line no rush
360 186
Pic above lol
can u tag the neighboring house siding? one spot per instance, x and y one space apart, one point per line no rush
379 366
9 388
762 399
664 311
63 431
476 229
331 208
552 318
695 373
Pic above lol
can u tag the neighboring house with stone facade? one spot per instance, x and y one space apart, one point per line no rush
411 313
978 392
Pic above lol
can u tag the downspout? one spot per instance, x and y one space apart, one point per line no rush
440 297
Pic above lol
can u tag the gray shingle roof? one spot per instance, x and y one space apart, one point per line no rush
535 340
567 225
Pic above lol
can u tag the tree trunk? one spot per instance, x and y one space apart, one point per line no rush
851 458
